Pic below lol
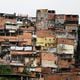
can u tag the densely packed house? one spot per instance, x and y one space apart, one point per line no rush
41 45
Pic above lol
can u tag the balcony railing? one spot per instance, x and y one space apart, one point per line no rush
69 36
10 38
16 63
14 38
20 53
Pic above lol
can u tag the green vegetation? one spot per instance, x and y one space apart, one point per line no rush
5 69
6 78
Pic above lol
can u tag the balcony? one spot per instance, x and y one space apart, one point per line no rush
16 39
20 48
65 49
16 63
51 64
65 63
59 30
37 69
10 38
20 53
66 56
60 34
71 28
11 26
52 50
69 36
71 22
71 19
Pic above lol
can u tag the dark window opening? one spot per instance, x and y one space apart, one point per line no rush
38 47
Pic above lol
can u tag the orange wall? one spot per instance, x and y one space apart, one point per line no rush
3 20
64 76
49 56
65 41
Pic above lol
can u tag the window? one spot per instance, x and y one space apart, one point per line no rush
54 39
48 45
7 34
55 62
45 44
69 78
38 47
49 39
13 34
62 40
69 60
2 34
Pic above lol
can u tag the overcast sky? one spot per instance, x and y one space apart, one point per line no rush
30 6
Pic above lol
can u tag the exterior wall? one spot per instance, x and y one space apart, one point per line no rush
27 35
36 69
50 41
64 48
46 42
17 69
71 27
51 15
51 19
61 34
58 50
45 18
63 76
26 38
65 63
3 20
49 60
71 17
65 52
30 29
65 41
20 53
40 42
46 70
11 27
21 48
10 38
60 19
49 56
42 18
46 38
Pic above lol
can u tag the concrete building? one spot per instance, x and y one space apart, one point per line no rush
46 39
42 47
45 19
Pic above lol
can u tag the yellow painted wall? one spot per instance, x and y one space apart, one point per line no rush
50 40
40 41
45 40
